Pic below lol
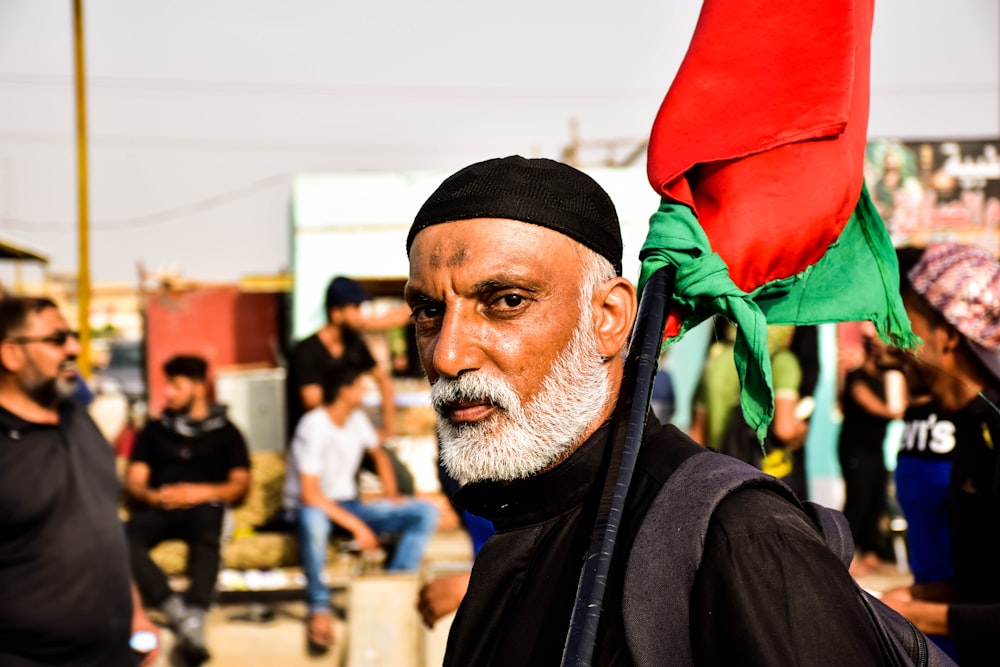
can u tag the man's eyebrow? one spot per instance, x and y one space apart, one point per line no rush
502 282
413 296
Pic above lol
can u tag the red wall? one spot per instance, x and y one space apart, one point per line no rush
222 324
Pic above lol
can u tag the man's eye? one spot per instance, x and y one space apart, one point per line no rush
426 312
511 300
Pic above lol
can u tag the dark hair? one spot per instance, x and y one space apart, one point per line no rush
14 311
337 376
907 257
343 292
188 366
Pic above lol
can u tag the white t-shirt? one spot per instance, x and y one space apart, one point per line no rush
332 453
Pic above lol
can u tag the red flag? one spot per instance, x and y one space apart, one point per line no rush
758 153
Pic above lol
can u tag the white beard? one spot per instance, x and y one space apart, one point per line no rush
520 440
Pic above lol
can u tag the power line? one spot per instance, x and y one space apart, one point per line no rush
389 91
177 143
394 91
159 217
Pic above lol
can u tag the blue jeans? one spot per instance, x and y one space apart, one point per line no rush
922 491
414 521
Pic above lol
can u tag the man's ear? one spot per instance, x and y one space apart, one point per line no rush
615 305
952 339
11 356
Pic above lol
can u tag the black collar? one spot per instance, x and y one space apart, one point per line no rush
10 422
182 424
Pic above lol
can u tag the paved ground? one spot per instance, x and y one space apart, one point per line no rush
280 642
237 641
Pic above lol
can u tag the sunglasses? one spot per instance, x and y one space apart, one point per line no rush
57 339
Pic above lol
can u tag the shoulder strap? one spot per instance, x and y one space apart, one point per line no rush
834 528
667 552
668 548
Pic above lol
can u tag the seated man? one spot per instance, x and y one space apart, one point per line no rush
321 490
186 468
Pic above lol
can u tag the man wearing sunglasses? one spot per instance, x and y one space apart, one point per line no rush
64 573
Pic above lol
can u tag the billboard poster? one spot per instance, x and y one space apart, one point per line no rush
931 191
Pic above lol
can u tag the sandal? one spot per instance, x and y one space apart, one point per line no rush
319 633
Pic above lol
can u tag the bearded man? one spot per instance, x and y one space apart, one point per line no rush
186 468
64 572
522 320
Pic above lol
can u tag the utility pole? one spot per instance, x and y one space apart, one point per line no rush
83 231
573 153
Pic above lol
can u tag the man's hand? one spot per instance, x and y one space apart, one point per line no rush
798 439
929 617
442 596
366 539
183 496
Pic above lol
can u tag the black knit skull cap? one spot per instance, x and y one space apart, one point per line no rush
537 191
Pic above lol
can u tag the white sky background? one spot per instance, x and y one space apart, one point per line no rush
196 99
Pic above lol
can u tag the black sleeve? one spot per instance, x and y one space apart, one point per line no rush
769 592
805 347
356 352
309 358
142 449
845 391
239 456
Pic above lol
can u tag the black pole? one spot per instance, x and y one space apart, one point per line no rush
629 422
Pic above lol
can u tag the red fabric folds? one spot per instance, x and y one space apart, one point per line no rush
763 130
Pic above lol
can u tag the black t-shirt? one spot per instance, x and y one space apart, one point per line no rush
928 433
769 591
861 431
65 595
206 456
310 358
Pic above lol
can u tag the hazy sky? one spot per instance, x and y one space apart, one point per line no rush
202 111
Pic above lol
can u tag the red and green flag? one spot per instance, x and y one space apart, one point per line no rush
757 153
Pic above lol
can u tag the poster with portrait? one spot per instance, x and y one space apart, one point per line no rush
932 191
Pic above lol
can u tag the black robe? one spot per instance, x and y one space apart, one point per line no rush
768 592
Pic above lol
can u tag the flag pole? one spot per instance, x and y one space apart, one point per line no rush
629 423
83 231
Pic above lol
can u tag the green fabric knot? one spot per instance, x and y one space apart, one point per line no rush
703 288
857 278
703 280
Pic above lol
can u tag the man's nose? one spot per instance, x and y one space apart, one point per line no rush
458 347
72 346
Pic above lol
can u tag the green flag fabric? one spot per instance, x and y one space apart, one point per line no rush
856 279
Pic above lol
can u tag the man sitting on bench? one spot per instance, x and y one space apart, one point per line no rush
321 490
186 468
